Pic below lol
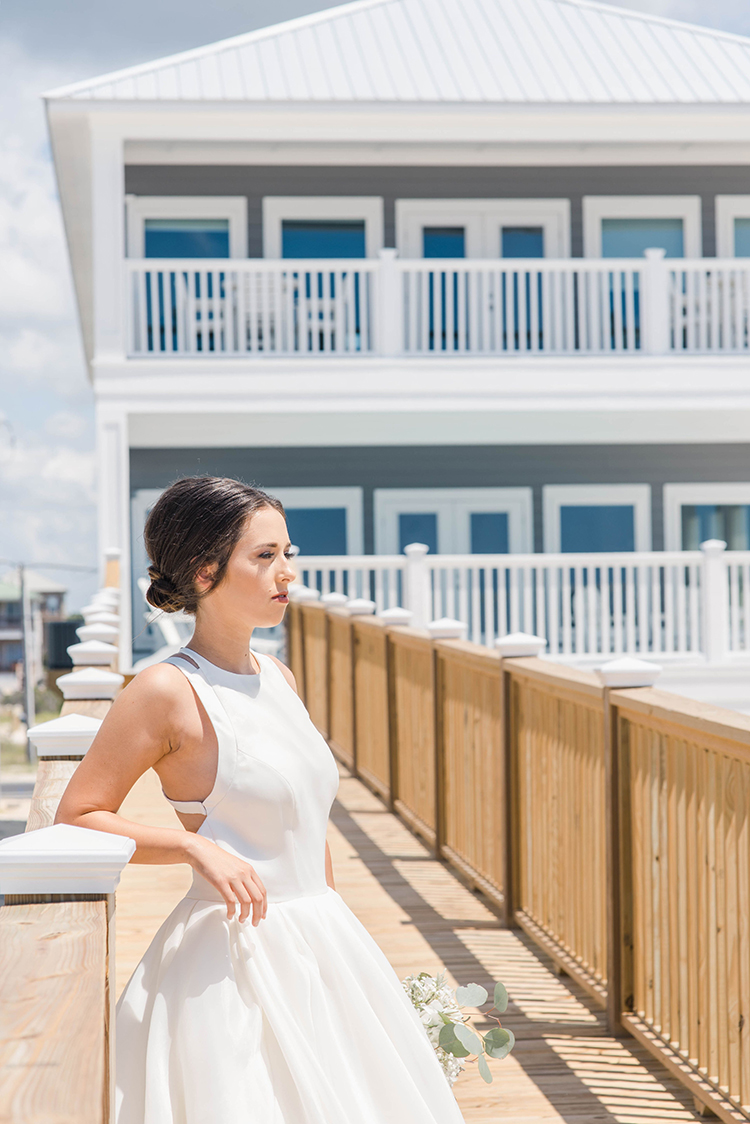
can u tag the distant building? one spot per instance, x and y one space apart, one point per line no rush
389 260
47 602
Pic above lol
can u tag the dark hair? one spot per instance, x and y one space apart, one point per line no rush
196 521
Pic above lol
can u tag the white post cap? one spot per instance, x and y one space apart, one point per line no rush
68 736
106 598
112 553
629 672
447 629
416 550
520 644
63 859
108 633
303 593
90 683
396 615
713 546
334 598
100 616
92 653
360 607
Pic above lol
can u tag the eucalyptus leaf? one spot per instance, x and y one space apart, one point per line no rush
446 1020
473 995
484 1069
499 1042
447 1039
468 1038
501 998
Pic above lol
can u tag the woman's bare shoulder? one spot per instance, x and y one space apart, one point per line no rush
286 672
159 685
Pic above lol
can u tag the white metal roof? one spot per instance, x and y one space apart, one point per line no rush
494 51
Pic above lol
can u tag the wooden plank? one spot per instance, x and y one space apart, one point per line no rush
51 781
727 727
315 662
371 715
54 1013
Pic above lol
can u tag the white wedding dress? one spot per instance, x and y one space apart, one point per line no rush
301 1019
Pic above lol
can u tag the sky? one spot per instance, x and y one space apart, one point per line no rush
47 485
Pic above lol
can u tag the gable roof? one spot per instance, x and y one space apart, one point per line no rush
474 51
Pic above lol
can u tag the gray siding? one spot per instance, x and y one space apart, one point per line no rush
475 466
442 182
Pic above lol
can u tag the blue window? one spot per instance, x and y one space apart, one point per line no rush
317 530
310 238
522 242
597 527
742 238
630 238
187 238
443 242
489 532
418 527
730 522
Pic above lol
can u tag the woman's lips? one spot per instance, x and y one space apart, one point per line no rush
282 597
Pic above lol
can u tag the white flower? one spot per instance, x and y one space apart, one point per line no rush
432 998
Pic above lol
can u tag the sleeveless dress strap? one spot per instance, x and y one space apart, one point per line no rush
225 737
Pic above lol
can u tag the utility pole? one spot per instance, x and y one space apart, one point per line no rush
28 661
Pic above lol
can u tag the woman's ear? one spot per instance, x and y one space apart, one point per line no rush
204 578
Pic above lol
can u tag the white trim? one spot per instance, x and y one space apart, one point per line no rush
482 219
276 208
349 498
685 207
453 507
141 207
555 496
729 208
678 495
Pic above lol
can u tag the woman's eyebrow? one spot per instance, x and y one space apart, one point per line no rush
264 544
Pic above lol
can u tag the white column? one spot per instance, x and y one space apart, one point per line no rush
113 499
715 601
390 307
417 584
654 304
108 238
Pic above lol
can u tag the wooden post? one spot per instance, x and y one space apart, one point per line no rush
619 673
510 788
438 702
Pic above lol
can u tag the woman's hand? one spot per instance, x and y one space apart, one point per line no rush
235 879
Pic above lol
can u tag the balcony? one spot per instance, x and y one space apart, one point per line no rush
434 308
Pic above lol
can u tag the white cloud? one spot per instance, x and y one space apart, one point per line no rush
65 424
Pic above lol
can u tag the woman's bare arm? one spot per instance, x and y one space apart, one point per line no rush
142 726
147 722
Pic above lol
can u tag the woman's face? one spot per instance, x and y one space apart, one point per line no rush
253 590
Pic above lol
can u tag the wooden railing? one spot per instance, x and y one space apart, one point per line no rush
56 931
612 825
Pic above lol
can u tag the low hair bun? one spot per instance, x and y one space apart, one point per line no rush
162 593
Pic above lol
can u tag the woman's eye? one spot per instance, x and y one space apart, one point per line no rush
292 553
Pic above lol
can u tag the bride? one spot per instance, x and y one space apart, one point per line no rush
262 999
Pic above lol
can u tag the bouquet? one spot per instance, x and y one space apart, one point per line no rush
439 1008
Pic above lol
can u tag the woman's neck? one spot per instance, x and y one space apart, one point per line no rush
225 645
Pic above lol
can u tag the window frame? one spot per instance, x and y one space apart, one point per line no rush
685 207
557 496
350 498
322 208
388 503
480 217
676 496
138 208
729 208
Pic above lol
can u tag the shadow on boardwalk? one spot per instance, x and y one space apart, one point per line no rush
565 1066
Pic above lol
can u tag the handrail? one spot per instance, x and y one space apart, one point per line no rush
611 824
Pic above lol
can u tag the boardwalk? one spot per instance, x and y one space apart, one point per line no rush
564 1068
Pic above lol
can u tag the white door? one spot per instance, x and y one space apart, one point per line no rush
454 520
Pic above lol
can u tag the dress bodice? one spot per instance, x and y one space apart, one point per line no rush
276 777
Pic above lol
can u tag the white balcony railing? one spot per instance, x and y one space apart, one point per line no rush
434 307
657 603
